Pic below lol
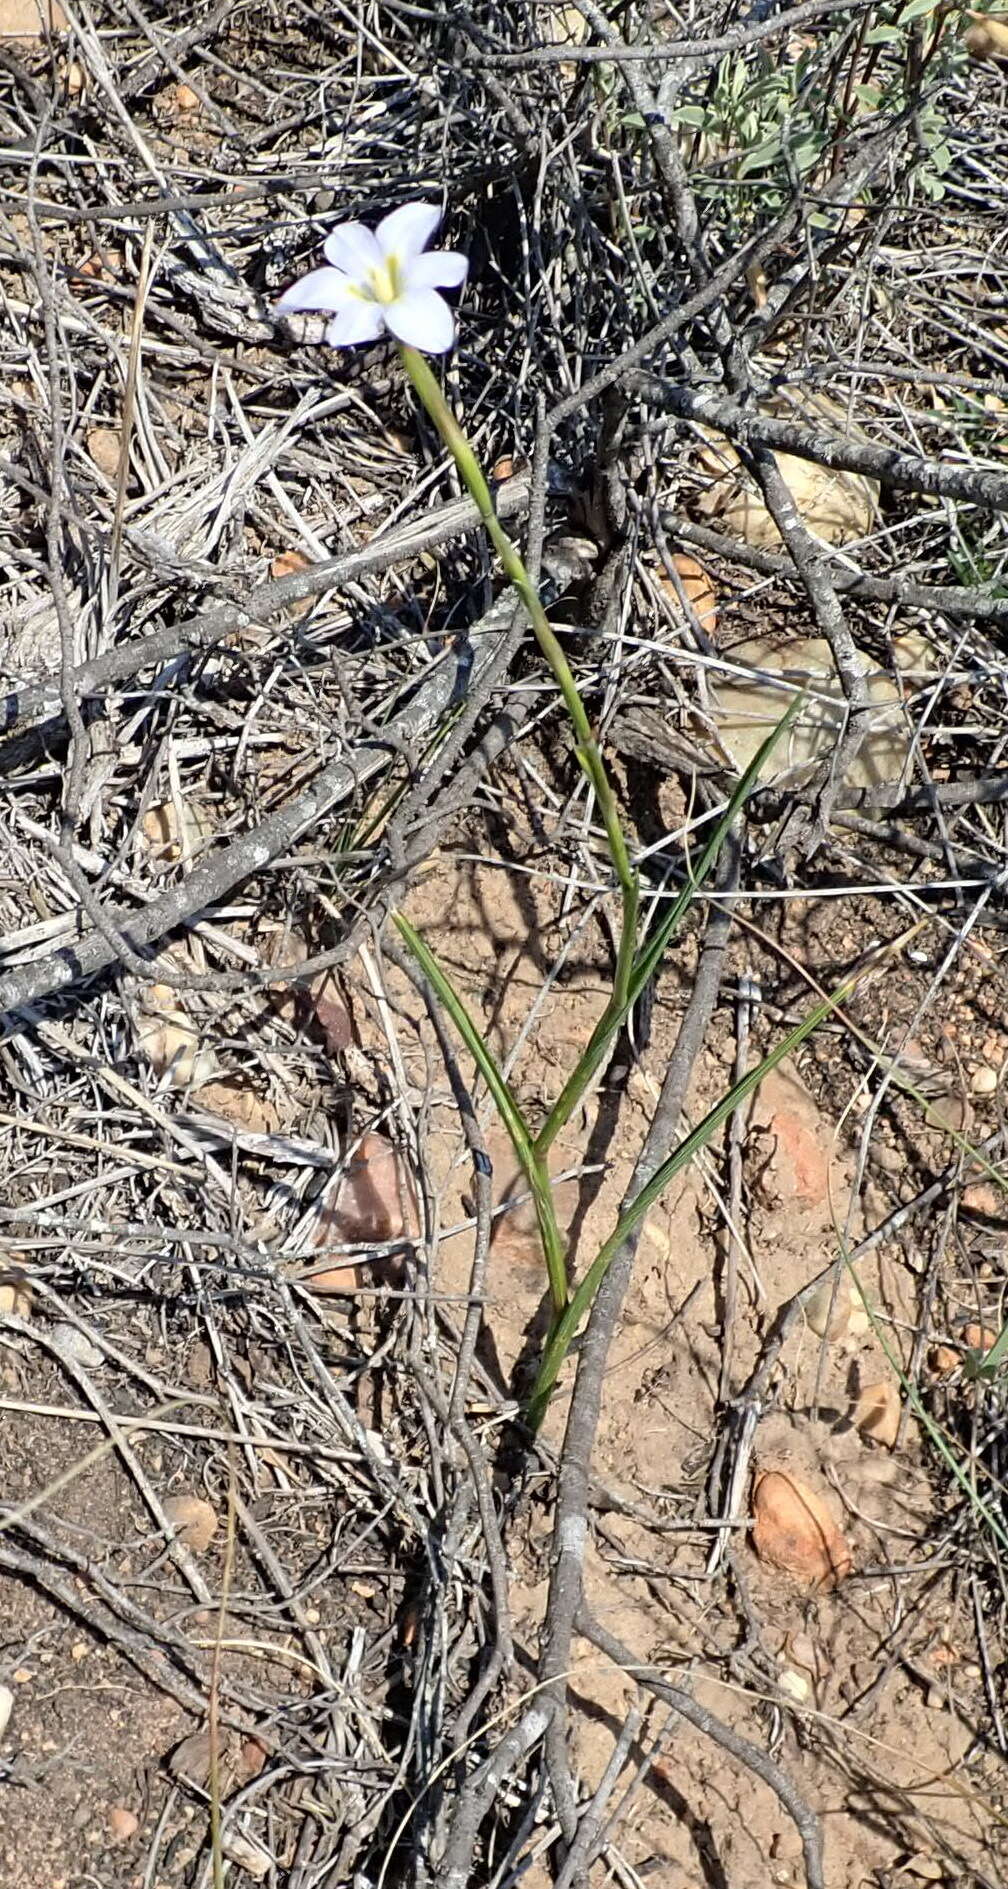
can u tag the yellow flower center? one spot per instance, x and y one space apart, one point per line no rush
385 281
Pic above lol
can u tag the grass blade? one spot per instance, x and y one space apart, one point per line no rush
563 1333
646 963
506 1105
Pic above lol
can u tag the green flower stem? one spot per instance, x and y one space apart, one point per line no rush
426 387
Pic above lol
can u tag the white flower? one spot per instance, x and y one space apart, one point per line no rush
383 279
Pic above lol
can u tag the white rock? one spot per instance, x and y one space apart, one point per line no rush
746 708
6 1707
828 1312
795 1684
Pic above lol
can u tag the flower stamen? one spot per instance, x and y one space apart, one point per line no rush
386 281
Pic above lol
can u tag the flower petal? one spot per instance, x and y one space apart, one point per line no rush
438 269
408 230
422 320
358 321
323 288
353 248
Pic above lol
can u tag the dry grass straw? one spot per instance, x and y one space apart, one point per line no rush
163 450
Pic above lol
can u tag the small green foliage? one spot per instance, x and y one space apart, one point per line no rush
983 1366
776 122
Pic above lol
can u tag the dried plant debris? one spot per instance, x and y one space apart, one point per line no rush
732 341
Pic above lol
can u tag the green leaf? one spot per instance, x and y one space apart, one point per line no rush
565 1329
883 36
758 160
505 1103
651 956
916 10
647 960
996 1355
806 154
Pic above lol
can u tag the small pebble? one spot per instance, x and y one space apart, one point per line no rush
122 1823
104 444
984 1198
15 1294
984 1080
6 1707
926 1868
828 1312
193 1520
77 1346
795 1684
253 1757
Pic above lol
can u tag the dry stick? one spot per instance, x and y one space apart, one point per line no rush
69 695
213 1690
452 1414
943 599
591 1833
570 1518
482 1168
805 1820
980 789
282 1585
663 49
295 184
806 555
128 416
501 1659
41 701
748 994
906 472
252 852
481 1788
170 53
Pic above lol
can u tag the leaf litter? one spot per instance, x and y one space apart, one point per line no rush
174 1189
